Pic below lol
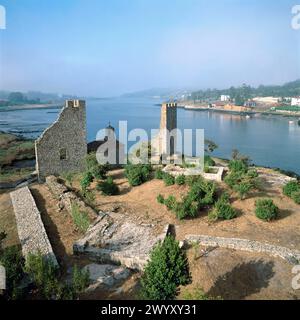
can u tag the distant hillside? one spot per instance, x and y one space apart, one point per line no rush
160 93
244 92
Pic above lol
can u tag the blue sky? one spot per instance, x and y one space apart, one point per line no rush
104 48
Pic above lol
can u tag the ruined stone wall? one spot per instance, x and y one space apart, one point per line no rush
292 256
63 146
31 230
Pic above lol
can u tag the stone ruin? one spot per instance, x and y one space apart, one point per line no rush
63 146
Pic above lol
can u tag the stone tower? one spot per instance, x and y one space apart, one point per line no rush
63 147
168 122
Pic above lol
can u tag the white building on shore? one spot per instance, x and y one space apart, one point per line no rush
225 98
295 101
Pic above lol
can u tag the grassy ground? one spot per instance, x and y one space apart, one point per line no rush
13 148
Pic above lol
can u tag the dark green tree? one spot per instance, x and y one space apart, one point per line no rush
165 272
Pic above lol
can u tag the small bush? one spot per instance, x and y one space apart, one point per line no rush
81 219
168 179
170 202
266 209
238 166
108 187
159 174
137 174
160 199
222 210
97 170
196 294
242 189
296 196
166 270
290 187
180 180
13 262
186 209
89 197
86 181
45 276
233 178
80 280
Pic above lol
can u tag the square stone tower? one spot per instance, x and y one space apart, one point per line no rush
168 122
63 147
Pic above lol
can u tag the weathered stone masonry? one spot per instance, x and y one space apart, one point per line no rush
63 147
31 231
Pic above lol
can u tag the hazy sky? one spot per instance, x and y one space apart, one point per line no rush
109 47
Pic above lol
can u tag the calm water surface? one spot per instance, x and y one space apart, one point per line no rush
268 140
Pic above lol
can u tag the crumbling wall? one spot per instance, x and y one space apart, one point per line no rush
62 147
67 198
292 256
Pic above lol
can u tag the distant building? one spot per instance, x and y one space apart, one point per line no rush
225 97
295 101
266 100
250 104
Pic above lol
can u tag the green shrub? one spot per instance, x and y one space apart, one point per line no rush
187 208
222 210
197 294
180 180
203 192
266 209
290 187
80 219
233 178
108 187
89 197
12 260
159 174
170 202
168 179
86 181
296 196
45 276
166 270
238 166
80 280
190 180
243 189
160 199
137 174
97 170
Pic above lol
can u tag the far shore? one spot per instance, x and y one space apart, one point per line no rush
254 112
57 105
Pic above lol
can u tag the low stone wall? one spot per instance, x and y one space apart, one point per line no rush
176 171
292 256
31 231
67 198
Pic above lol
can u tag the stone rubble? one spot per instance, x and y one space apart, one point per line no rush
115 239
105 274
67 198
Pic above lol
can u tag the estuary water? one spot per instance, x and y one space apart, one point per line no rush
272 141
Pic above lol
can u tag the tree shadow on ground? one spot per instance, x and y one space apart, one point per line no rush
243 280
